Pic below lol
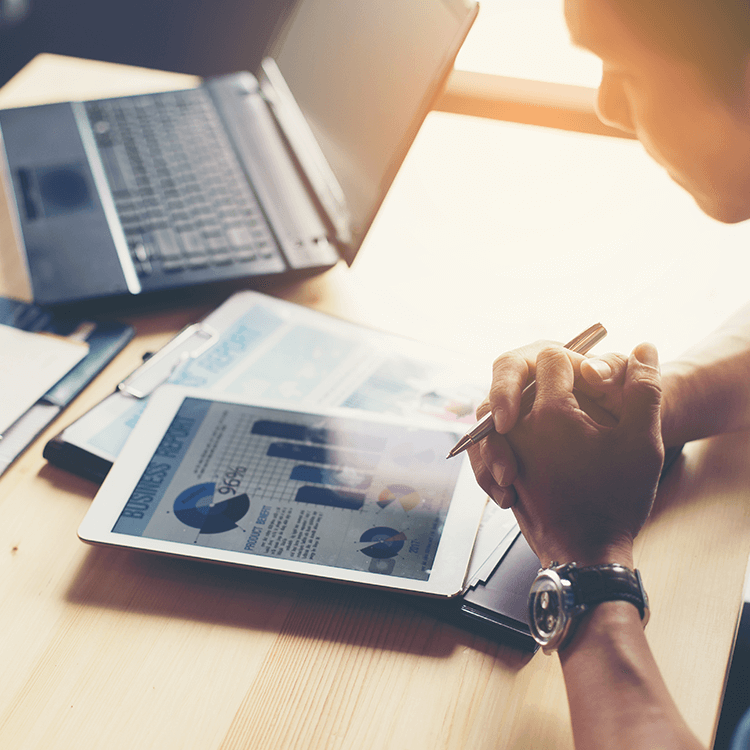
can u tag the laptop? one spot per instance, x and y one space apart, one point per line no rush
246 176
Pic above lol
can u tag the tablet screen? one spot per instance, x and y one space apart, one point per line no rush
290 488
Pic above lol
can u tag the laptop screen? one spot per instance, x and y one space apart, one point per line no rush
365 74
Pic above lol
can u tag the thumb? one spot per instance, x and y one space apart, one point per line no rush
641 400
604 371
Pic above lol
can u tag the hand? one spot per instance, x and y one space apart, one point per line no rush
584 488
598 382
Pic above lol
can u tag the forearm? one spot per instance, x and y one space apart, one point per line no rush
706 391
617 696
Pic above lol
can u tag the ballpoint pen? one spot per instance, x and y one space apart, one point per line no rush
580 344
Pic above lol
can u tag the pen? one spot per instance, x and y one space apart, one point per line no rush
580 344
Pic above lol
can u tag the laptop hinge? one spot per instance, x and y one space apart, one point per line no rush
302 229
305 148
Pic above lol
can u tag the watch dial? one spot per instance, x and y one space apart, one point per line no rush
546 610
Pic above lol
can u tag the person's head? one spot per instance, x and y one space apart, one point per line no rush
676 73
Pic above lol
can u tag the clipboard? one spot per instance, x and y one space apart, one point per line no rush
257 345
104 338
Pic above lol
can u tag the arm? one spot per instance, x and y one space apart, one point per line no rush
707 389
617 696
584 491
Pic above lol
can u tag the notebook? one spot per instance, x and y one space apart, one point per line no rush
246 176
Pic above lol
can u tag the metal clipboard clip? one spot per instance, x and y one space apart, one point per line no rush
156 370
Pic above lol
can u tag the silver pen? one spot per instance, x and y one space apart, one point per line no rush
580 344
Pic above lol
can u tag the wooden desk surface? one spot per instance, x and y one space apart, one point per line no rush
106 648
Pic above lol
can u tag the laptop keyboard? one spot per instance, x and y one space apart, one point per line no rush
182 198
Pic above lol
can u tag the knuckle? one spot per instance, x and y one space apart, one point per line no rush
615 361
510 362
649 382
550 351
549 357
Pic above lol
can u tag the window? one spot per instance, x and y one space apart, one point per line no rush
526 39
519 64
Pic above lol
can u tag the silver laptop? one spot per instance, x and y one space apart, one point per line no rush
281 172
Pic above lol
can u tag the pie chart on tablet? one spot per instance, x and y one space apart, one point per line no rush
196 508
382 542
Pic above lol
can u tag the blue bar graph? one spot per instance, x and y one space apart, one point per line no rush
330 498
319 455
319 435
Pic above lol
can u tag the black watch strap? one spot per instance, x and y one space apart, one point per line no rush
604 583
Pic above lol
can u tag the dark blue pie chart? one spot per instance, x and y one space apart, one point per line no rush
382 542
196 508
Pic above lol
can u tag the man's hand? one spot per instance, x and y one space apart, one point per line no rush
585 488
598 383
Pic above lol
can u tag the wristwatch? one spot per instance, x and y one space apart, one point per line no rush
561 594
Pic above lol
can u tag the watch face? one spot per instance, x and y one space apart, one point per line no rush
548 613
546 609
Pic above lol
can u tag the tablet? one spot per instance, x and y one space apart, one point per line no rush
339 494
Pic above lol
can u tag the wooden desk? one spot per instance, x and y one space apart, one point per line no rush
105 648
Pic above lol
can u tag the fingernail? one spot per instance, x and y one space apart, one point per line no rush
601 368
498 417
646 354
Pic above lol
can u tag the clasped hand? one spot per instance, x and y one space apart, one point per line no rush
580 469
